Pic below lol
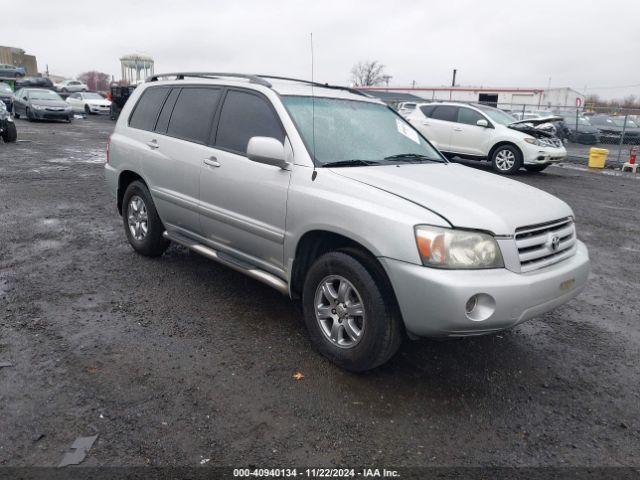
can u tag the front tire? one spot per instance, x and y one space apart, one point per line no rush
506 159
352 318
10 134
87 110
29 115
535 168
15 112
142 224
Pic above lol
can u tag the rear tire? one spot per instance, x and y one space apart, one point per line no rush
142 224
535 168
334 316
506 159
10 134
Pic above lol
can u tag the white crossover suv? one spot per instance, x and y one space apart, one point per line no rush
335 200
480 132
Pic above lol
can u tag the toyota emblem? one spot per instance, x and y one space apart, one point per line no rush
555 243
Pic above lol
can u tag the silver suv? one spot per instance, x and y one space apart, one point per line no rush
334 199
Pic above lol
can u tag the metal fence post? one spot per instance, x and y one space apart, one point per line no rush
624 128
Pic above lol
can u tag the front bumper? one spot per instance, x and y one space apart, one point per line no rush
536 155
432 301
99 109
51 114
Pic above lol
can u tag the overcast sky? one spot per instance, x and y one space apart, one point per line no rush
592 44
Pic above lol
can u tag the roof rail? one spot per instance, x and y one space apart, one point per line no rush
258 79
316 84
182 75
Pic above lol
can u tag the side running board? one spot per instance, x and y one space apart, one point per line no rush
230 262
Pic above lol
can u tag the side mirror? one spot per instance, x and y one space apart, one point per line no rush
267 150
482 123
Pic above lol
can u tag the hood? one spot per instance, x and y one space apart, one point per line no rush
538 121
50 103
464 196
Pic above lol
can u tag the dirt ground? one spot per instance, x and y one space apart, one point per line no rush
179 361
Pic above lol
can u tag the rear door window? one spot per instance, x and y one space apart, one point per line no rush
193 114
146 111
446 113
245 115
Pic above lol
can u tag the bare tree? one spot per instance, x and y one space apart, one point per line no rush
369 73
95 80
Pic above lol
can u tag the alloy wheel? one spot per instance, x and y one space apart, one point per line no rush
137 218
505 159
339 311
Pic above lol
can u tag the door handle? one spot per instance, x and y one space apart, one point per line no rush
153 144
425 123
212 162
457 129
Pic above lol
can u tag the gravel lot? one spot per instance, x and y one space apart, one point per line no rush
177 360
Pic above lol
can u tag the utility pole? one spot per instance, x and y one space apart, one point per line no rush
453 81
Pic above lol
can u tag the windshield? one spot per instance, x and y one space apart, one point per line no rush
619 122
496 115
352 130
92 96
43 95
572 120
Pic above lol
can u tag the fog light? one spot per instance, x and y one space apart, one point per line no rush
471 304
480 307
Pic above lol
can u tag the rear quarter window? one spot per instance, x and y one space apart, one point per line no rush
146 111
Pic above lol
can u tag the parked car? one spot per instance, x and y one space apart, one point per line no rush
69 86
344 206
6 95
41 104
611 127
8 130
88 102
405 108
577 129
34 82
480 132
11 71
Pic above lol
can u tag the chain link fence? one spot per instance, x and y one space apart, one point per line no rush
614 128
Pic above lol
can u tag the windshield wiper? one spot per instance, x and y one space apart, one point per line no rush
356 162
412 157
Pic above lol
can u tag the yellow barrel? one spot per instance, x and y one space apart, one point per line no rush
598 157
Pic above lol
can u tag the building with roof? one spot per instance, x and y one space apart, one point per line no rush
503 97
19 58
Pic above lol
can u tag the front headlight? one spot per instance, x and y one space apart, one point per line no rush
38 107
534 141
462 249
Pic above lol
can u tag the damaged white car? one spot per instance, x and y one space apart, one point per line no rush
480 132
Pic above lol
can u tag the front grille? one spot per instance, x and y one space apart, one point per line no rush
544 244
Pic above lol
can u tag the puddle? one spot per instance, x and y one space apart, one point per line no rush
50 222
